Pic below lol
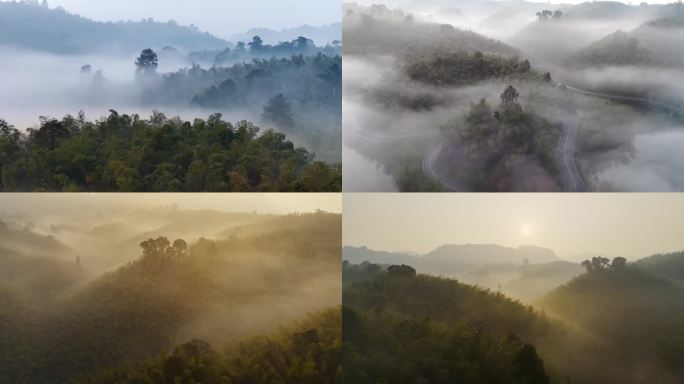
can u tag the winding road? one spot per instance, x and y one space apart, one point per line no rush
666 106
572 179
430 171
566 151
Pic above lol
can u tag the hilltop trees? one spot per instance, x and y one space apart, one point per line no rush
498 140
598 264
462 68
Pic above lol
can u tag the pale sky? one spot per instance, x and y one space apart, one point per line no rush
630 225
35 205
220 17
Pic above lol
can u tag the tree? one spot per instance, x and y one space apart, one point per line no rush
530 366
278 111
147 62
257 45
401 271
509 97
618 263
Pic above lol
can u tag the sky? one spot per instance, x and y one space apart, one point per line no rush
223 18
37 205
629 225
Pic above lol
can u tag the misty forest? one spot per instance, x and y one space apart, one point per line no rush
156 106
475 95
505 315
170 295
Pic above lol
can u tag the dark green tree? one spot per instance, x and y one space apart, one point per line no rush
278 111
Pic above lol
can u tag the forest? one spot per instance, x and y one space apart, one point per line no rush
128 154
256 302
615 322
600 73
114 71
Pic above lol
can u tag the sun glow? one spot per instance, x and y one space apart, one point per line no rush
527 229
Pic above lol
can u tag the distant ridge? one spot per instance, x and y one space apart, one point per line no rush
321 35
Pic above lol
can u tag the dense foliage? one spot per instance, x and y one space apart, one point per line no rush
618 48
306 354
496 143
403 328
638 318
310 84
463 68
221 291
127 153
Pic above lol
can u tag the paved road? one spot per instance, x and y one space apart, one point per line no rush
429 170
658 103
566 150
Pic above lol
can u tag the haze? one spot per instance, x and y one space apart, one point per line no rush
629 225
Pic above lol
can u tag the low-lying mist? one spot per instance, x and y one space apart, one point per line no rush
127 282
595 83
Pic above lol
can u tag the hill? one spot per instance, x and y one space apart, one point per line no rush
401 327
26 240
535 281
358 255
308 352
483 254
320 34
618 48
637 317
668 266
33 27
378 30
221 291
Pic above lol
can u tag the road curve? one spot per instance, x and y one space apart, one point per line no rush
654 102
566 150
430 171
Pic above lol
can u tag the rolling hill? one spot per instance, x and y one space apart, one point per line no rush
33 27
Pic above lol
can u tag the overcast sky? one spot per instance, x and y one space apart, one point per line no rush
220 17
630 225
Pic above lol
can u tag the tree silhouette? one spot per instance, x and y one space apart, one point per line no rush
147 62
509 97
279 112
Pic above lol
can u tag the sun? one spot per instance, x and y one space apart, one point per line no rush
527 229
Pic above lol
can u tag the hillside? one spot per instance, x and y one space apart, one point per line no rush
537 280
28 241
636 316
378 30
33 27
308 352
668 266
221 291
618 48
490 254
458 332
322 35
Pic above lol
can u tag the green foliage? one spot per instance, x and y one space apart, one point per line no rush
306 354
634 314
618 48
463 68
278 111
494 142
418 329
126 153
